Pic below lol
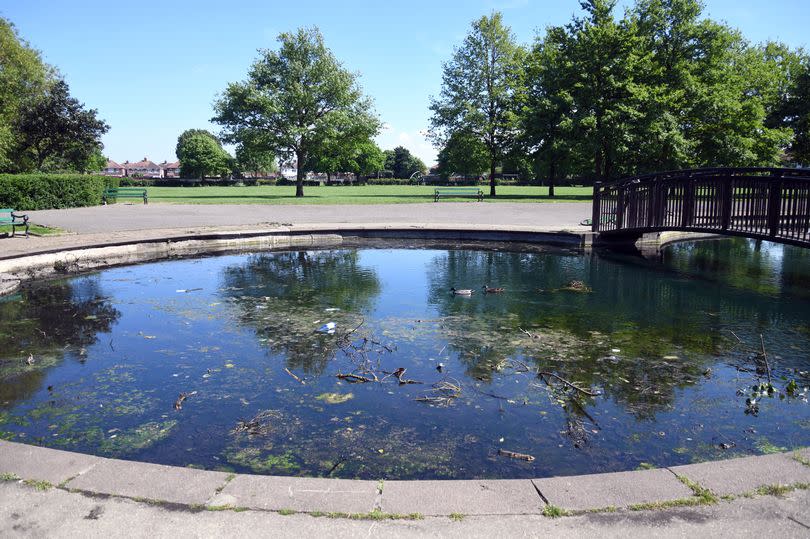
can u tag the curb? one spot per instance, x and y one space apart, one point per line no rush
192 489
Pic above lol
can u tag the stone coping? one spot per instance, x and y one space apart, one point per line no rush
194 489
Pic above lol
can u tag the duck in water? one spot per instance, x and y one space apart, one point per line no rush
461 292
491 290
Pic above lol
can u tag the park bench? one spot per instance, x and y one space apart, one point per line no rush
8 217
458 192
124 192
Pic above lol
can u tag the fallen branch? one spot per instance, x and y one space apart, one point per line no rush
531 335
569 384
356 378
765 358
515 455
288 371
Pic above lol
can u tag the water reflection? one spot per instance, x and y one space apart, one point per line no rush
653 364
284 297
49 322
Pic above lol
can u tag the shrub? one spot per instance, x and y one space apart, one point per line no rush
36 191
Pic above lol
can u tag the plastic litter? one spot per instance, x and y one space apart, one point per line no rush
329 328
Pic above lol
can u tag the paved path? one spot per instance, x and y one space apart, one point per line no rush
121 217
26 512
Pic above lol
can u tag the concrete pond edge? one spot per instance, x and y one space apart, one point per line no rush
192 489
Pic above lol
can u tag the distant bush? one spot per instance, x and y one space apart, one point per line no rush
27 192
137 182
390 181
307 183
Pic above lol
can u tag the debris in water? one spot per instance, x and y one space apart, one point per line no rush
329 328
334 398
515 455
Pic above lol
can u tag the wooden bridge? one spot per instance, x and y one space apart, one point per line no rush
763 203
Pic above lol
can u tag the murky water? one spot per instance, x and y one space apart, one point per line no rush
216 362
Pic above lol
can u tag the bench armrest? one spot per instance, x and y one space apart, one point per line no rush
22 216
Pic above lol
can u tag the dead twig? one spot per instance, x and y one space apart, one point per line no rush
765 358
288 371
569 384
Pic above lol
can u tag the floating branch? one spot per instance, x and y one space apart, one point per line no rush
765 358
569 384
288 371
357 378
515 455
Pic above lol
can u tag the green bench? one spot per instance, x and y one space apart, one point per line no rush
8 217
124 192
458 192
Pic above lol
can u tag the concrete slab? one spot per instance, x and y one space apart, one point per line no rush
298 494
620 489
473 497
738 476
43 464
150 481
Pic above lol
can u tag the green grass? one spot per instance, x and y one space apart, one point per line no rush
34 230
456 517
365 194
38 485
552 511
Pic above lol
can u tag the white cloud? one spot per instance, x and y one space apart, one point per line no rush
415 141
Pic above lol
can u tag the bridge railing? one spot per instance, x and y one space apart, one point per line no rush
768 203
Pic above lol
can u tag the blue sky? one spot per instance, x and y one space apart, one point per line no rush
152 69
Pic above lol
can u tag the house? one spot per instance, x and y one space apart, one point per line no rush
113 169
143 169
171 170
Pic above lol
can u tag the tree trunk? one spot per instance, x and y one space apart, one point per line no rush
492 178
299 174
552 171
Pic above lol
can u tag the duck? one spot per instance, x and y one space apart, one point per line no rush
461 292
490 290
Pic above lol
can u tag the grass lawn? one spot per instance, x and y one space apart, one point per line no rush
34 230
367 194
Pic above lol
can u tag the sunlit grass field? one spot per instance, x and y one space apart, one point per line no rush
366 194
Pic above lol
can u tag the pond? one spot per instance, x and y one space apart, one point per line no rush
218 363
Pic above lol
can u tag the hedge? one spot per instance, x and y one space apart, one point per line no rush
27 192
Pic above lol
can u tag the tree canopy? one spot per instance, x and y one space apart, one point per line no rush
201 154
297 102
41 125
402 162
481 86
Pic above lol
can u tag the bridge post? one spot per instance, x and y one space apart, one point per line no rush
727 202
774 206
620 203
596 213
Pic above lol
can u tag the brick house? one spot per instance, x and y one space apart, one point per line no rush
113 169
143 169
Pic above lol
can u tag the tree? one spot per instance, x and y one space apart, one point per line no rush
792 109
23 76
295 101
201 155
480 90
548 111
402 162
57 125
254 159
463 153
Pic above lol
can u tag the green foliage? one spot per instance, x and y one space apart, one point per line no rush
402 162
201 154
296 103
23 74
463 154
55 125
660 88
46 191
481 87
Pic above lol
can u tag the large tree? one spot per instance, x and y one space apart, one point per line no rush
23 77
295 101
201 154
481 85
58 125
402 162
